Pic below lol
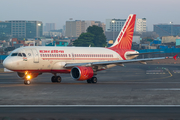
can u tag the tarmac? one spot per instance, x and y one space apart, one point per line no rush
91 113
134 84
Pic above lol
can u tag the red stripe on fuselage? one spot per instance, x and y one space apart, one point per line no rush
46 71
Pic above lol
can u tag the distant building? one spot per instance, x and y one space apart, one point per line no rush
114 24
5 29
21 29
53 33
167 29
140 25
64 30
111 35
148 34
97 23
169 39
178 41
113 27
34 29
58 43
136 39
49 26
62 43
17 43
75 28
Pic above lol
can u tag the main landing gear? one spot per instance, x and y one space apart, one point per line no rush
92 80
56 79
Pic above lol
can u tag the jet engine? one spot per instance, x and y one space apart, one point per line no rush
24 75
82 73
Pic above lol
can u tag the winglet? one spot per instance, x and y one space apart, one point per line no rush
175 56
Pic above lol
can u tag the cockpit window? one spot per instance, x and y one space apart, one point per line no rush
24 55
19 54
14 54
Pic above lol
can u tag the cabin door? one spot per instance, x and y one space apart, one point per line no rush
35 56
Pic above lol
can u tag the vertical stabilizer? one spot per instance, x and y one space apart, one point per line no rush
124 39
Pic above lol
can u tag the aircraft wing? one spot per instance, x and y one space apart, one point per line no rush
114 62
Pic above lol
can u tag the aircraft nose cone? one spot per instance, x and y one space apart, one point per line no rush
7 63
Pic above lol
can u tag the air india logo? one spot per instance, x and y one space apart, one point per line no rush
24 58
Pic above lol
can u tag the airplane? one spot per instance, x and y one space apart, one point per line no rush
82 63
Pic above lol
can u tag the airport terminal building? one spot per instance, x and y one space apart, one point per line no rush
21 29
5 29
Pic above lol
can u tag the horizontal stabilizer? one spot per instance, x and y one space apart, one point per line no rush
142 53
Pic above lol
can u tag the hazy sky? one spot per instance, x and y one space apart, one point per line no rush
59 11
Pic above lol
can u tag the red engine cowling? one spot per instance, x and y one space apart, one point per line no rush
82 73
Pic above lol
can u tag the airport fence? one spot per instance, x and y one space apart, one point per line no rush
2 57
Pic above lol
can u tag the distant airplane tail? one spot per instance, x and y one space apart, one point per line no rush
175 57
124 39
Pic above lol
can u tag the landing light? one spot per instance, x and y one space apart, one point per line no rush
26 72
28 77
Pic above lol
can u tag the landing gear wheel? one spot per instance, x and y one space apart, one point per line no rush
58 79
27 82
53 79
89 81
94 79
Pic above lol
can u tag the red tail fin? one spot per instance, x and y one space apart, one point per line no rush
124 39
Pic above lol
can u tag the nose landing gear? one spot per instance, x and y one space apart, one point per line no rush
27 79
27 82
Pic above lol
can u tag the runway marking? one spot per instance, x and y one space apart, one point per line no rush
155 73
31 106
168 89
161 77
10 82
140 82
176 71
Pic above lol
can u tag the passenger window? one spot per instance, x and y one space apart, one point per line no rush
14 54
24 55
19 54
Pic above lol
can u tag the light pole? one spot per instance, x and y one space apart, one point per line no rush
113 21
71 19
171 27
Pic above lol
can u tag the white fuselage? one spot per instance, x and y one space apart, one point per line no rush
45 59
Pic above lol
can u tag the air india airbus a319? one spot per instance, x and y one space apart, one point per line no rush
82 63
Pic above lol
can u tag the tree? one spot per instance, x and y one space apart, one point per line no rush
85 39
99 37
94 37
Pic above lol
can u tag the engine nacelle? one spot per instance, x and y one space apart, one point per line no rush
23 75
82 73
